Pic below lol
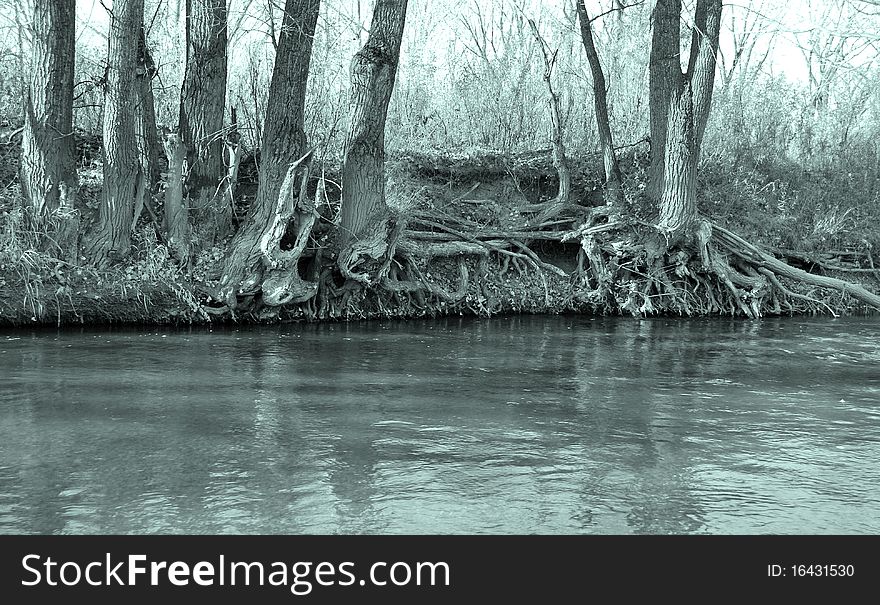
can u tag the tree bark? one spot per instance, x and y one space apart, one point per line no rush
122 171
613 179
678 199
202 108
177 225
149 148
663 72
284 142
557 141
48 166
373 72
687 111
701 66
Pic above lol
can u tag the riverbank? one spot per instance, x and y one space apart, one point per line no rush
797 216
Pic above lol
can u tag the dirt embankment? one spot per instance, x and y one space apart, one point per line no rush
486 205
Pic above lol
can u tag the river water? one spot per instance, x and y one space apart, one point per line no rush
509 425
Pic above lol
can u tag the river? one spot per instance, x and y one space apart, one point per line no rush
507 425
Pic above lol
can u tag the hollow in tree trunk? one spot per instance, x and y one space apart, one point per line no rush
48 167
284 143
364 225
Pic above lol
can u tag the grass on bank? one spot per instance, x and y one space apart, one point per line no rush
829 217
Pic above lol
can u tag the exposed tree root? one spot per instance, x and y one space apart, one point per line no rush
427 260
257 264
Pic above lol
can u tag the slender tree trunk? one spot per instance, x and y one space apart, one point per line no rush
373 72
613 179
202 108
177 225
149 148
284 142
557 140
122 171
701 67
48 167
664 71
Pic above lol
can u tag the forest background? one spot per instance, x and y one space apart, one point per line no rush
790 158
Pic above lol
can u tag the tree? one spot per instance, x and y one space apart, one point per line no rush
364 228
613 194
147 135
664 64
202 109
680 104
48 166
122 170
254 256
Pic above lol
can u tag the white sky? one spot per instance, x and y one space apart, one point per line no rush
790 20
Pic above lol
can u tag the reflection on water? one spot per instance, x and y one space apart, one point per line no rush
508 425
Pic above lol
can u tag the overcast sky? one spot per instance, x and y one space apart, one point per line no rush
791 18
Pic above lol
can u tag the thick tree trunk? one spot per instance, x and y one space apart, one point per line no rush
373 72
664 71
122 170
202 107
687 111
48 167
613 179
284 142
678 199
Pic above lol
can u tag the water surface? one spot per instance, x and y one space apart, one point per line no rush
508 425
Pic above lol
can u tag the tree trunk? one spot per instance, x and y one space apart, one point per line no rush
678 199
284 142
687 111
202 107
122 172
373 71
177 225
48 166
613 179
149 148
701 66
557 141
663 72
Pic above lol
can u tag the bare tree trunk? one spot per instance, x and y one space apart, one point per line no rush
149 148
560 162
122 171
701 66
177 225
48 167
202 108
373 72
678 198
284 142
613 179
664 71
687 112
